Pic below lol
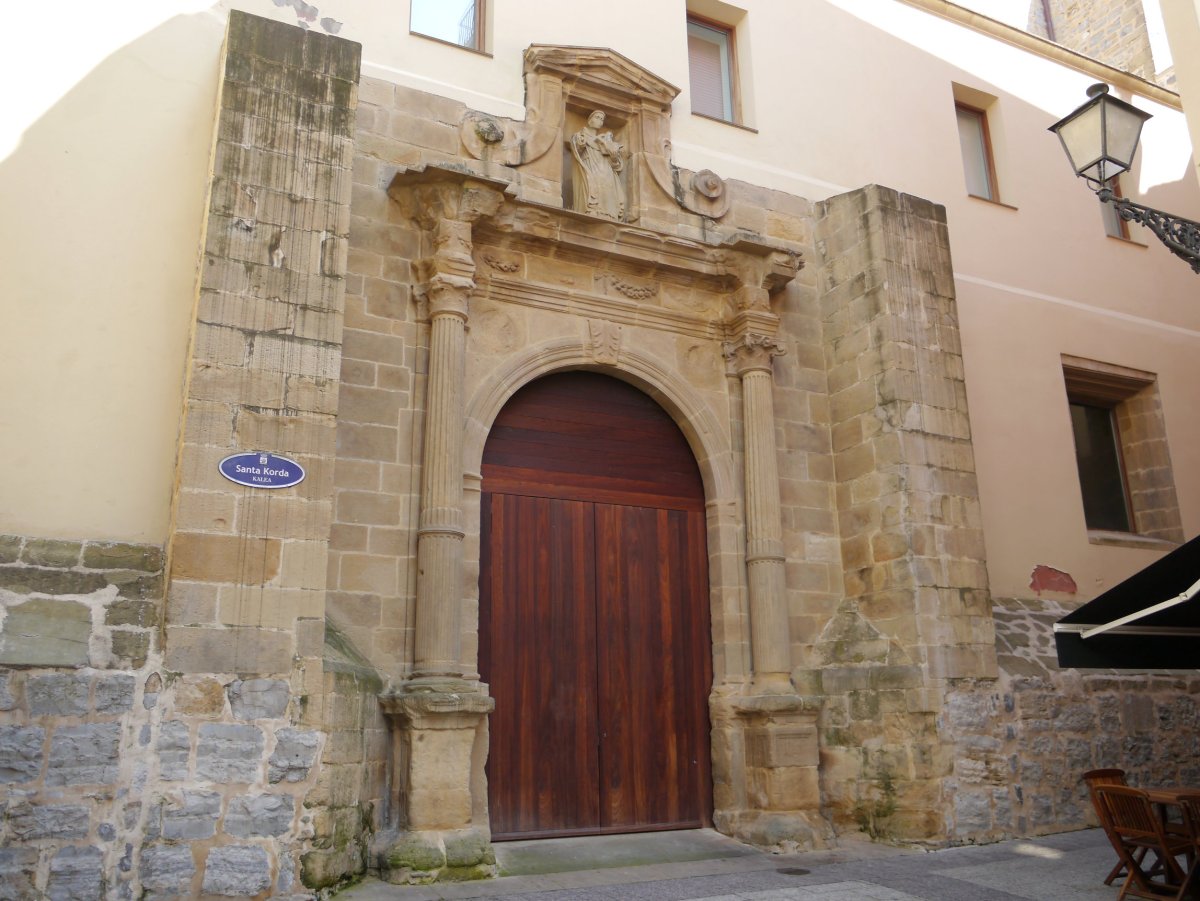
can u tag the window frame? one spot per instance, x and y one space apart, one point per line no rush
1139 431
480 44
989 155
730 70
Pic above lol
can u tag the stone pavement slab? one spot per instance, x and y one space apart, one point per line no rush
1066 867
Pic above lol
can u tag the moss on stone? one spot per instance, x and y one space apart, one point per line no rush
468 848
49 552
416 852
10 548
467 874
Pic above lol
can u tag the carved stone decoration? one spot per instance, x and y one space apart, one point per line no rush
501 265
708 183
704 193
488 129
513 143
634 292
604 341
752 352
598 165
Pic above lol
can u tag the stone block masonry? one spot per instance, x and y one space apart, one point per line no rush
916 612
247 565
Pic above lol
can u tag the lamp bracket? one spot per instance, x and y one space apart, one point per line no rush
1181 236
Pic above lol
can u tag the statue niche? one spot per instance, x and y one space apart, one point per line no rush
598 164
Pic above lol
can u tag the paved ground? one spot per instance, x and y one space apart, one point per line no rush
705 866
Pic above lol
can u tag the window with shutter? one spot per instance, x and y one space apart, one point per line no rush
710 62
978 168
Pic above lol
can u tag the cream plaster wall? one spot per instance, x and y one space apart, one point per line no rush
103 199
1182 19
102 169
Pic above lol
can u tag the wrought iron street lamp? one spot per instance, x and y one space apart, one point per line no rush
1100 139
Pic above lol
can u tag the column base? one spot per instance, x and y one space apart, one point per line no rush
783 832
439 739
420 858
782 808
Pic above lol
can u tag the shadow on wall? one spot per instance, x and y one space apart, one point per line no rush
103 205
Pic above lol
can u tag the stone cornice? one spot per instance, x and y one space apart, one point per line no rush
1118 78
740 259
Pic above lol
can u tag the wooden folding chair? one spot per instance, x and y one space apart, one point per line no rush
1109 776
1133 823
1189 806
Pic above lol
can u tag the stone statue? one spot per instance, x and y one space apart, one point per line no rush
598 164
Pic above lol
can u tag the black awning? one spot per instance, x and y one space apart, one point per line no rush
1168 638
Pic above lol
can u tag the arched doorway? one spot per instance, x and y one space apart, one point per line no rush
594 618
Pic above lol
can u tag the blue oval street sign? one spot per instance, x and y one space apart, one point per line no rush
258 470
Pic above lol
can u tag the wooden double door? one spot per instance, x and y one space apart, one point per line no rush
594 623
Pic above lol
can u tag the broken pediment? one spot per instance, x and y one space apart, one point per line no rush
565 90
601 78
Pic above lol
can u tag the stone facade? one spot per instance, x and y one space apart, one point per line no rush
288 694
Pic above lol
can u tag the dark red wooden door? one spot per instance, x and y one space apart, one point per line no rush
594 626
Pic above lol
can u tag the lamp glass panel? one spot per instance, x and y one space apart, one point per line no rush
1082 137
1123 127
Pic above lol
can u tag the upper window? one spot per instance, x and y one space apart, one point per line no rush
454 21
711 68
1121 450
978 164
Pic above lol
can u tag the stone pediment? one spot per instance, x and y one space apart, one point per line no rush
596 77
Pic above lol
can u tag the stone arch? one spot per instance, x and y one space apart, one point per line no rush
710 446
701 428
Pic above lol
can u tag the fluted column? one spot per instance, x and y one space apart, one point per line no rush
437 650
770 642
440 532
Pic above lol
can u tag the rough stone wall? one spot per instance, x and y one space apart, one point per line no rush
1022 745
78 626
118 777
915 616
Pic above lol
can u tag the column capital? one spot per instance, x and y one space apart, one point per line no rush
448 295
752 352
